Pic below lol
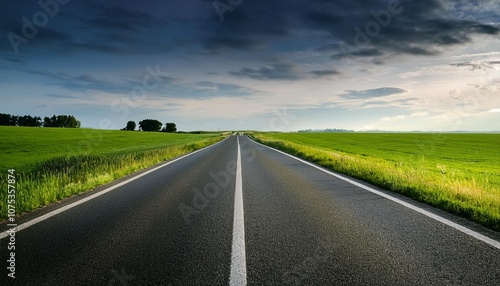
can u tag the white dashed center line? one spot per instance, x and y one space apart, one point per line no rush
238 258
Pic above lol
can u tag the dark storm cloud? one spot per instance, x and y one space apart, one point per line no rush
325 73
83 82
103 48
279 71
118 29
118 18
218 44
356 28
85 26
13 27
372 52
250 26
367 53
343 28
50 34
414 34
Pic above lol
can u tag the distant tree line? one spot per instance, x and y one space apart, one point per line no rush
331 130
14 120
151 125
68 121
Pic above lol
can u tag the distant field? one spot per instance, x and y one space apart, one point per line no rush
457 172
21 147
55 163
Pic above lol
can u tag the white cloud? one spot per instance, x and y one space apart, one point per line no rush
495 110
419 114
477 55
402 117
392 118
368 127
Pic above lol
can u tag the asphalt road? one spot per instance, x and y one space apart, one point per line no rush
293 225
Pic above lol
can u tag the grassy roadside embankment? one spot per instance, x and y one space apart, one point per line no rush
459 173
52 164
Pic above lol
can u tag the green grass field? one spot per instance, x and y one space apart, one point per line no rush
55 163
22 147
459 173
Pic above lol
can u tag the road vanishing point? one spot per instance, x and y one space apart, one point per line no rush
240 213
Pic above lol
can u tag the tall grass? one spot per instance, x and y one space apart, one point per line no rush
457 192
63 176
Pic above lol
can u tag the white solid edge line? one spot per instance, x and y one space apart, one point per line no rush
238 259
86 199
468 231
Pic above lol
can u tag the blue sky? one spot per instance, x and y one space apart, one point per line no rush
262 65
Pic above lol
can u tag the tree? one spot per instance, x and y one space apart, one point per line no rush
47 122
68 121
36 121
150 125
28 120
130 126
14 120
8 120
170 127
